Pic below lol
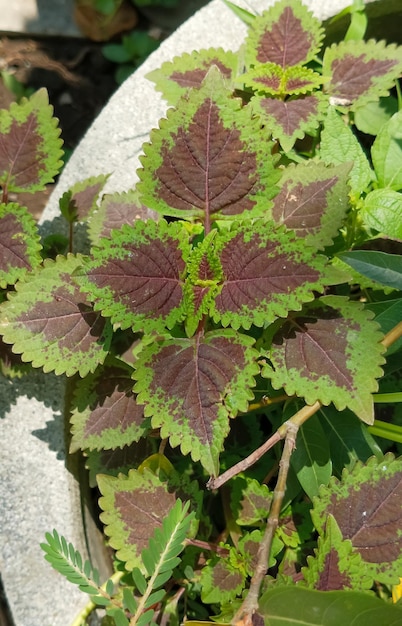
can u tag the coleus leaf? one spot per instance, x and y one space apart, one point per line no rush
135 505
119 460
191 387
285 34
81 199
250 501
105 413
174 78
266 273
339 145
292 604
360 72
221 581
289 120
115 210
50 322
269 78
366 504
313 201
137 276
30 144
19 243
330 353
207 160
335 564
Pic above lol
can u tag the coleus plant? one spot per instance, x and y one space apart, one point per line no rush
242 277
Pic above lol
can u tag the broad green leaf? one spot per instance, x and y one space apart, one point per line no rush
135 505
30 144
319 355
360 72
191 387
267 272
371 117
335 565
115 210
19 243
388 313
175 78
284 34
137 276
313 201
311 458
293 605
367 506
382 211
348 438
386 153
207 159
105 414
50 322
381 267
339 145
289 120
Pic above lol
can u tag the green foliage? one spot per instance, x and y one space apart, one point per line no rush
239 295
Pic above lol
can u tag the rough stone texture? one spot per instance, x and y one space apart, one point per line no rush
38 17
36 491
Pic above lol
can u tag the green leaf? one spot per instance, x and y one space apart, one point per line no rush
386 153
137 504
175 78
339 145
19 243
272 79
137 276
221 581
249 501
311 458
30 145
105 414
50 322
371 117
319 354
382 211
367 506
381 267
207 160
360 72
295 605
80 200
388 313
191 387
286 34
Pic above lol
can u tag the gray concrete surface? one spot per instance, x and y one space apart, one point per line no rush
38 17
36 492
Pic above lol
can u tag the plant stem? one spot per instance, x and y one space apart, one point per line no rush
250 603
298 419
392 335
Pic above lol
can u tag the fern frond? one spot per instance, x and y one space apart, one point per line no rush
160 559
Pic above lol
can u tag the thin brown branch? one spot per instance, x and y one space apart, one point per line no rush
250 603
392 335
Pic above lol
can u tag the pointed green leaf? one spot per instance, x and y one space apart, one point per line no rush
105 414
367 506
330 353
286 34
371 117
19 243
190 387
50 322
207 159
174 78
313 201
359 72
388 313
381 267
335 566
137 276
382 211
339 145
266 273
135 505
386 153
295 605
30 145
272 79
311 459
